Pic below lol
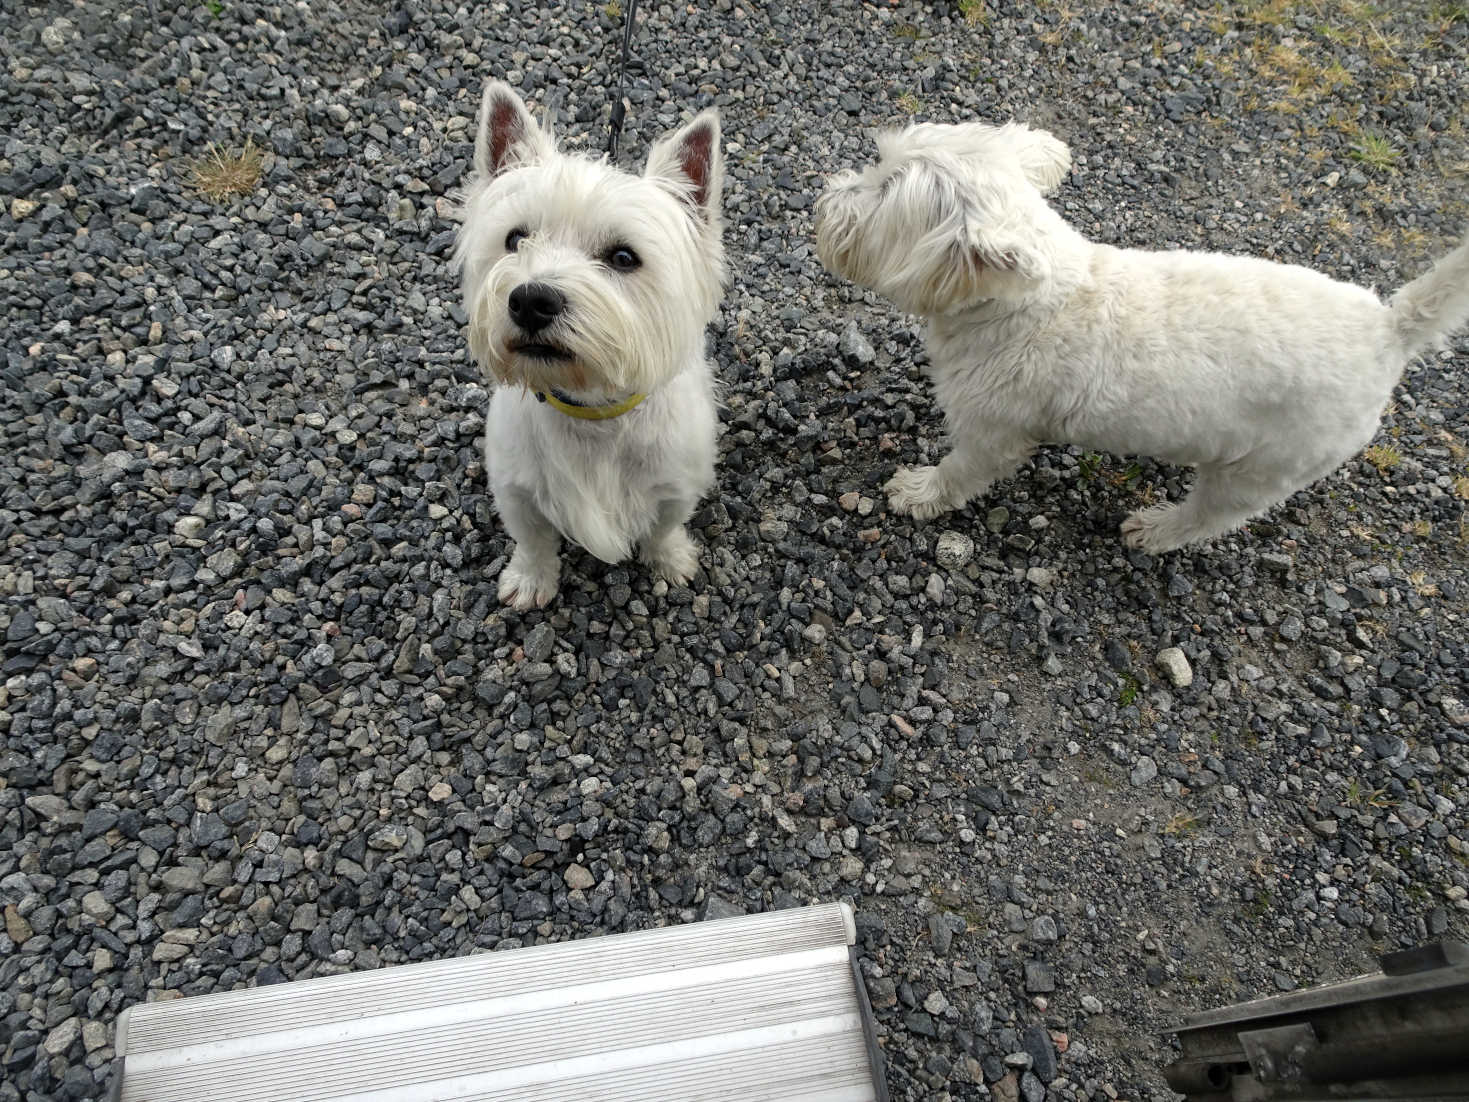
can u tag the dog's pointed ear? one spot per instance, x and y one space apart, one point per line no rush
1044 157
690 159
507 136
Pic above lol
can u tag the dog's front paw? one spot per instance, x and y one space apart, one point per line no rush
917 492
1155 529
674 557
526 584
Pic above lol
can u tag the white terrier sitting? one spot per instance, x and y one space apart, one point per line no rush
588 291
1262 376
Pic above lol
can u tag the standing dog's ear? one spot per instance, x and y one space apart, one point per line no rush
507 137
1043 157
690 159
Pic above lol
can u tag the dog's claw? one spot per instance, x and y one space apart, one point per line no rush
523 589
1151 530
916 492
675 559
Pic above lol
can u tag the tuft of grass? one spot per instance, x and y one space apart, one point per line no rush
1383 456
1130 689
222 174
1359 796
1182 823
907 30
613 10
974 11
216 8
1446 15
1258 909
1127 476
1090 465
1269 13
1375 151
908 103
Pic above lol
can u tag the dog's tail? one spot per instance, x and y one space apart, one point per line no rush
1435 304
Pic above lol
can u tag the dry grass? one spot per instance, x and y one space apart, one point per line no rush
974 11
222 175
1182 823
1383 456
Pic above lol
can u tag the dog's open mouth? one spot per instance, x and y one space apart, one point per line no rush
539 350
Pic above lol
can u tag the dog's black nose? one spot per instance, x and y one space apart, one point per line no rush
533 306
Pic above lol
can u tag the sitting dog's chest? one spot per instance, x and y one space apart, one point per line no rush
593 470
599 484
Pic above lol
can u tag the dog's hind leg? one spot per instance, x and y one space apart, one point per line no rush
532 575
1222 499
668 548
966 472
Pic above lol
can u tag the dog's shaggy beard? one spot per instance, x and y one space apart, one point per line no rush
617 338
621 331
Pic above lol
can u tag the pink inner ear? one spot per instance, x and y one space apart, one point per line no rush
695 155
507 126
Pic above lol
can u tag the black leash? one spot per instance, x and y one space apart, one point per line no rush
619 105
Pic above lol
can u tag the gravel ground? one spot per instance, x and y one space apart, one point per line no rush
262 719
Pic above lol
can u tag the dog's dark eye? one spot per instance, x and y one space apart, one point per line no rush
622 258
514 238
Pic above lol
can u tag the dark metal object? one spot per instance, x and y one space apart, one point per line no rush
619 105
1401 1033
875 1062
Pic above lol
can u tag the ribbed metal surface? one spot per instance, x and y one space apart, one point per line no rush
833 1069
761 1007
487 975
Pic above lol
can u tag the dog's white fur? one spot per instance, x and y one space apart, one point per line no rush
1262 376
631 481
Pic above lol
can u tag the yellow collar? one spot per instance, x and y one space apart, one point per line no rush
588 413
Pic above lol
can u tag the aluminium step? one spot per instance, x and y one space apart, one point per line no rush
768 1006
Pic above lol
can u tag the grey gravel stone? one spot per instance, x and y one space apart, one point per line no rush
1175 666
855 348
1037 1043
953 550
539 642
1039 977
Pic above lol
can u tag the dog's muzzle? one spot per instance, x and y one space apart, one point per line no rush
533 306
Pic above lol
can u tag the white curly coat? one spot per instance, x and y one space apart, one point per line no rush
609 485
1262 376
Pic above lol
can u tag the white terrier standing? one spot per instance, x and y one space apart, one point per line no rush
1262 376
588 291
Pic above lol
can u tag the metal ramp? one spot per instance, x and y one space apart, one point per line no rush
765 1006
